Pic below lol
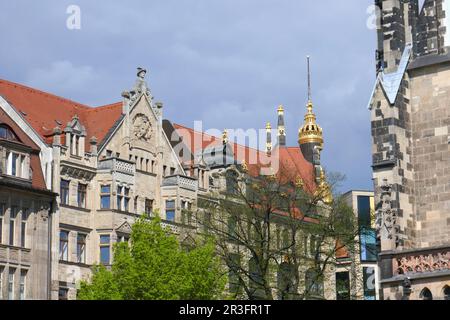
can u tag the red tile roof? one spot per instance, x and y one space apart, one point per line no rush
292 163
44 111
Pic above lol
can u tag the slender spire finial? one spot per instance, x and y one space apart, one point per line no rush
309 79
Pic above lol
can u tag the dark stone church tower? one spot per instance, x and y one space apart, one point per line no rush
410 113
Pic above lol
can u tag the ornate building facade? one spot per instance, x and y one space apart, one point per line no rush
410 111
27 209
100 168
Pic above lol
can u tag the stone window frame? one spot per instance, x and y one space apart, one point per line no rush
66 292
19 164
62 195
105 245
186 212
7 133
123 198
25 214
170 209
85 186
13 214
104 195
11 280
23 284
84 253
64 256
148 204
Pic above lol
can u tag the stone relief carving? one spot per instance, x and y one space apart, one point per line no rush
142 128
125 228
423 263
386 220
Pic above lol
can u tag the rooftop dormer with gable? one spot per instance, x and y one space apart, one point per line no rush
20 163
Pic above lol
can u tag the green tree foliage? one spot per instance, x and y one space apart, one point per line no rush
155 267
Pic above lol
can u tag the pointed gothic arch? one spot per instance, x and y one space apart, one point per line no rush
426 294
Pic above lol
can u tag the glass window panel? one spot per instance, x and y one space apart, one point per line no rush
64 194
343 286
22 289
81 248
119 203
63 245
14 164
11 232
170 215
369 283
364 215
82 188
105 255
105 239
23 234
11 274
170 204
63 293
105 202
368 242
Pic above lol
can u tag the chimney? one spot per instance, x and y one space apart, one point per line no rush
57 137
126 102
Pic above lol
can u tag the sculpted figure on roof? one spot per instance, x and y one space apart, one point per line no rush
141 85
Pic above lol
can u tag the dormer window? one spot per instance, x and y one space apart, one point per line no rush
16 165
75 137
17 156
7 134
77 146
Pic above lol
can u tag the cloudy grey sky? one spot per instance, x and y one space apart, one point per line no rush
229 63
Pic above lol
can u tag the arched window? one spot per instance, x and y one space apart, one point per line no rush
426 294
446 292
7 134
313 284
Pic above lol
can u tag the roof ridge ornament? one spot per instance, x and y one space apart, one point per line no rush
309 79
310 132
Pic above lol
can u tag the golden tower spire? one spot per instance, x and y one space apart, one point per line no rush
225 136
310 132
